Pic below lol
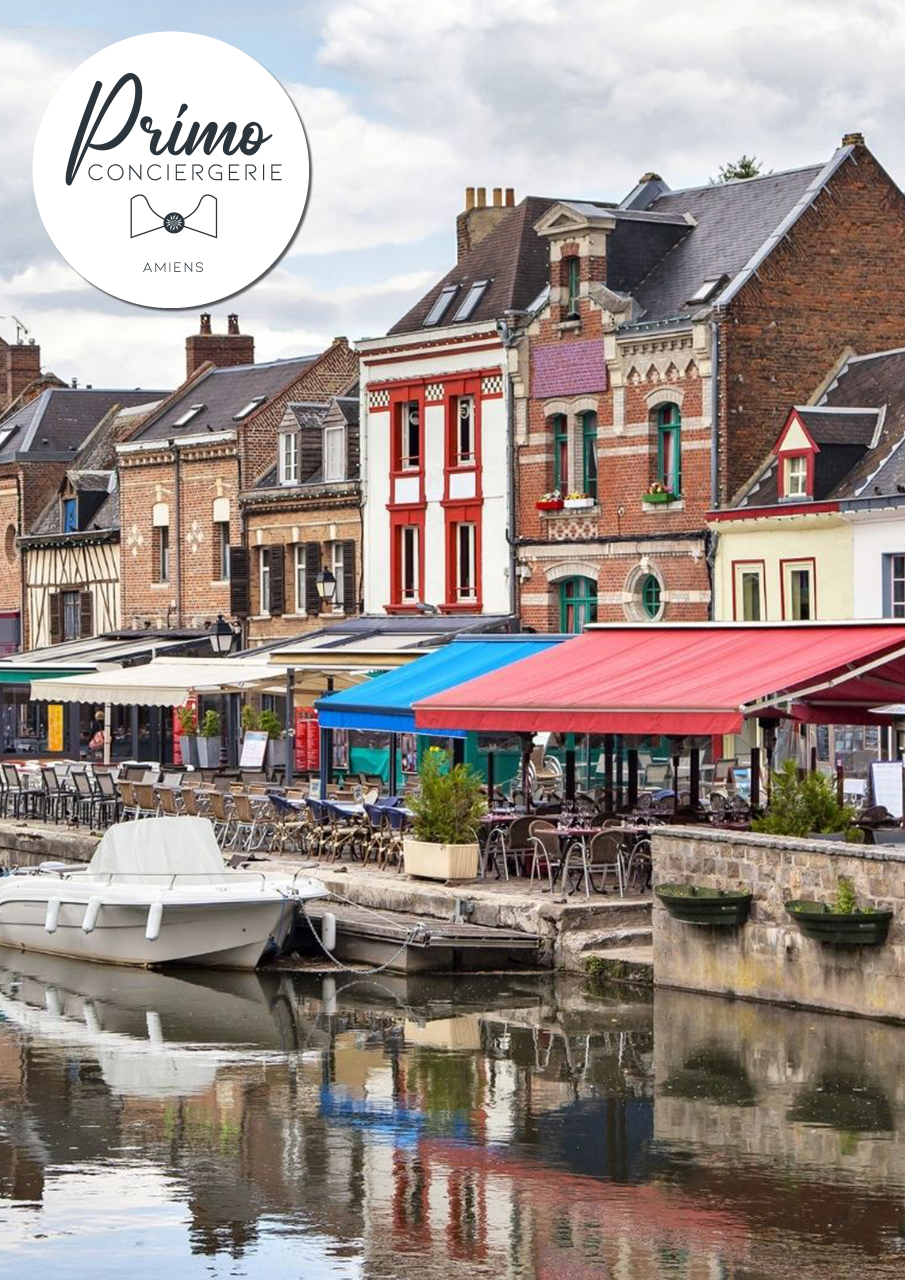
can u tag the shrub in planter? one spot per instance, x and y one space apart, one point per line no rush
840 922
208 743
443 842
800 806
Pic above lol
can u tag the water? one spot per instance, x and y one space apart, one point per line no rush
284 1127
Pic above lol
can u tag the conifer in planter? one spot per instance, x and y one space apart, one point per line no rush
208 742
443 844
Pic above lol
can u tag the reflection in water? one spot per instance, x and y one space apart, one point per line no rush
516 1127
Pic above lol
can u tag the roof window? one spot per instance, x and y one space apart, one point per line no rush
249 408
707 289
471 300
191 412
441 302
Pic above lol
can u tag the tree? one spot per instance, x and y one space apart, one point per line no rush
743 167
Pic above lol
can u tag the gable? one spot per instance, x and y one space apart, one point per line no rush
795 437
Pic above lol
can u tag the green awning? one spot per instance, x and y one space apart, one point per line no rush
25 675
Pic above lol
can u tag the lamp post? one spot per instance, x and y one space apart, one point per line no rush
326 585
221 637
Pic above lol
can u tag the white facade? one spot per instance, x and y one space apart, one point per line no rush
877 536
433 372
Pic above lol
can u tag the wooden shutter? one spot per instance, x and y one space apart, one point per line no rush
312 569
86 614
56 617
239 587
311 449
277 580
350 581
353 451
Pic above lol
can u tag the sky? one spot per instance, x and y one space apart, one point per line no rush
407 102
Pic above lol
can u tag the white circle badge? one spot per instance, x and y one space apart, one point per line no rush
171 170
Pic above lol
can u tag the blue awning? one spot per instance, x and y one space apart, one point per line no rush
385 703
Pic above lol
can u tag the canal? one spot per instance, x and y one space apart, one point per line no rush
277 1126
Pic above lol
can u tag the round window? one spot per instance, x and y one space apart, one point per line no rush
650 595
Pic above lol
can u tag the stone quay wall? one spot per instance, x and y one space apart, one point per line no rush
768 958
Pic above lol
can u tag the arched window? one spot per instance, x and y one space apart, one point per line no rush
577 603
669 447
649 590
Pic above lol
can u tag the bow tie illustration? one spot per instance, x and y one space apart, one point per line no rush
142 218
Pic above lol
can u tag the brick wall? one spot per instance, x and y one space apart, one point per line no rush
836 281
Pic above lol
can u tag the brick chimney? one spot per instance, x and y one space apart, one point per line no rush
223 349
20 365
479 218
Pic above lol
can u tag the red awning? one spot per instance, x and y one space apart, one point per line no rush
683 680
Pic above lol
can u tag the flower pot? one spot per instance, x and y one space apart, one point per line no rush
275 755
188 749
208 752
554 504
578 504
440 861
858 929
695 905
659 497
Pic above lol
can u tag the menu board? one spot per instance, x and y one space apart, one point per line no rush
254 747
886 785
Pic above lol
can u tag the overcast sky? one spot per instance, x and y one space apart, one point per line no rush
406 102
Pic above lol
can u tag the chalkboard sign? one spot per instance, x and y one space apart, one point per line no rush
254 746
886 785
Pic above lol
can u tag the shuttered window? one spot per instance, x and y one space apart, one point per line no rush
277 580
239 592
312 569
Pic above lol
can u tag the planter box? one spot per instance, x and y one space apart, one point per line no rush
660 497
710 907
578 504
440 861
208 752
188 749
860 929
275 755
549 506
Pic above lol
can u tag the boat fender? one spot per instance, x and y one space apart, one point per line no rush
53 915
92 911
155 919
328 930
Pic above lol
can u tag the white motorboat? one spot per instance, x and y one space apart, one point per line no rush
156 892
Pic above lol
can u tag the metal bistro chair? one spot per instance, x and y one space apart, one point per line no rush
56 800
252 827
128 800
15 795
106 797
84 797
599 858
638 866
547 849
512 845
221 818
168 798
148 805
289 825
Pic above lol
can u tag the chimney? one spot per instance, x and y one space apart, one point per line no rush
479 218
853 139
223 349
20 365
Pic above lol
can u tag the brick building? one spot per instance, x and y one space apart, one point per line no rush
184 551
678 327
304 515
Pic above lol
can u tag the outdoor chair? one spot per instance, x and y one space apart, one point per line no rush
146 800
252 828
397 822
56 800
512 844
289 825
638 865
15 797
601 857
84 797
168 798
221 819
106 797
546 849
128 800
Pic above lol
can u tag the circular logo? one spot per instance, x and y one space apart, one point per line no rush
168 135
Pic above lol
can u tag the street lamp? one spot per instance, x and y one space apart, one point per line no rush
222 636
326 585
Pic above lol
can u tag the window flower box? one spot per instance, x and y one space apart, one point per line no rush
819 922
552 501
659 496
578 502
693 904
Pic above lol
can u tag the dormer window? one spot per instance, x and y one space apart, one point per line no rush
471 300
191 412
334 453
795 478
70 515
442 301
288 457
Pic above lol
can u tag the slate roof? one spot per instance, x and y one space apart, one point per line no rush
836 426
56 424
224 393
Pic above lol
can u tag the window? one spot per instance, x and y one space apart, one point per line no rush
577 603
466 573
72 619
335 453
162 533
749 593
894 587
70 515
464 448
706 290
191 412
798 591
299 570
669 447
248 409
441 303
221 549
337 565
573 284
589 453
264 578
649 590
289 457
409 564
408 436
471 300
560 452
795 481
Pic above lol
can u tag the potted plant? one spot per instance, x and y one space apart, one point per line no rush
551 501
694 904
659 493
443 844
806 805
269 723
840 922
577 501
208 742
188 731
